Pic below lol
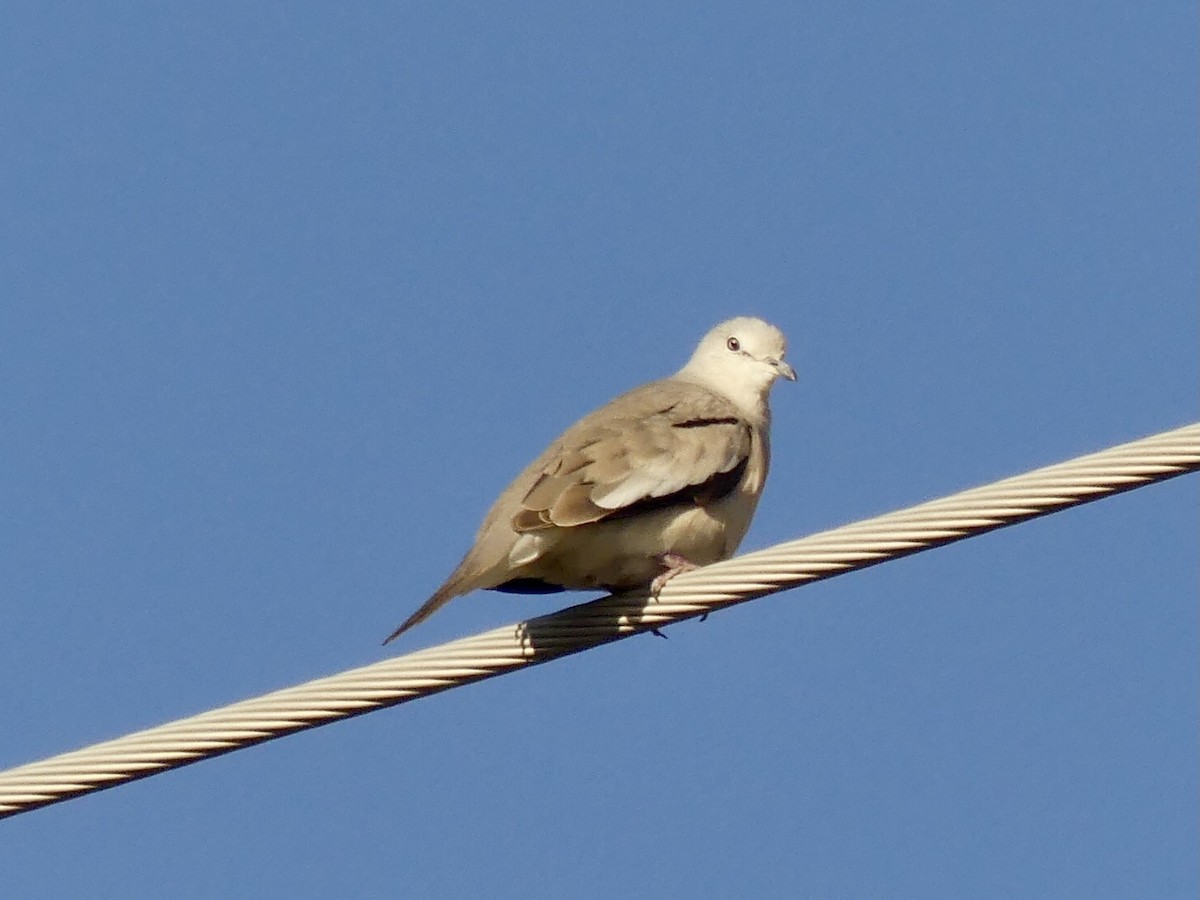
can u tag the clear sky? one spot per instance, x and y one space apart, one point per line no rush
288 293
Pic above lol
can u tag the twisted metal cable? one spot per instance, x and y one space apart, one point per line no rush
577 628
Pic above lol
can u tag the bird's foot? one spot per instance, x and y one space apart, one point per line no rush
675 565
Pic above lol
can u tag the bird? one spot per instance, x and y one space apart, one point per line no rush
661 480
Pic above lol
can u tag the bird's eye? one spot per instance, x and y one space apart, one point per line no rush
734 344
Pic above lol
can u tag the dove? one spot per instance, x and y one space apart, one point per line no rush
661 480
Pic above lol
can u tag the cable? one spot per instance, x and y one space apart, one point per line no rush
578 628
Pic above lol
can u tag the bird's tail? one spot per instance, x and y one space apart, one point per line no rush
473 572
465 578
444 595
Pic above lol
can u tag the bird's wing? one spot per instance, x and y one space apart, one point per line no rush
665 442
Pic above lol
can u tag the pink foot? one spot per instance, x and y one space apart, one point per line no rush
675 565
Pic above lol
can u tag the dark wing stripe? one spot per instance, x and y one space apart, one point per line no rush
703 423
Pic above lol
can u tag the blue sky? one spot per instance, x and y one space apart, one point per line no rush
290 292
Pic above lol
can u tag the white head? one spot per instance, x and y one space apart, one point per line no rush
740 359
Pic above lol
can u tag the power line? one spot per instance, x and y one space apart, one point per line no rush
578 628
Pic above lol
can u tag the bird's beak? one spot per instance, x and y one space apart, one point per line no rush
784 370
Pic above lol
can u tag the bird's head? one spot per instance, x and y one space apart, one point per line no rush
740 359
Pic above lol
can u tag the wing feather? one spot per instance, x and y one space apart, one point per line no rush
665 439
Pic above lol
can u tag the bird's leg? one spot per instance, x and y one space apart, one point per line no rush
674 564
